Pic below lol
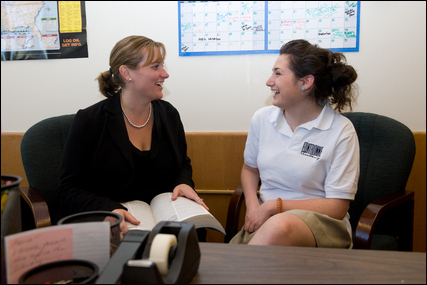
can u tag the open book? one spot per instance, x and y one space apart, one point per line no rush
162 208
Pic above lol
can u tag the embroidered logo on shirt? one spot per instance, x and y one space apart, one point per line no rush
312 150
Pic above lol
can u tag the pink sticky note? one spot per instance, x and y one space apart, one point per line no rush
27 250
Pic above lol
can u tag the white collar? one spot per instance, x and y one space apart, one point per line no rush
322 122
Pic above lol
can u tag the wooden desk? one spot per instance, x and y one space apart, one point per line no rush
226 263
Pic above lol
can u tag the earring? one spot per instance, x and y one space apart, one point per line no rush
130 79
303 88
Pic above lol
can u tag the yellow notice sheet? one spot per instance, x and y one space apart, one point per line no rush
70 17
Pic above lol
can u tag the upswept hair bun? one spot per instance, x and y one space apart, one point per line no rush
333 77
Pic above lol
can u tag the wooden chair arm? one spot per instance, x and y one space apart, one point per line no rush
38 206
233 214
373 212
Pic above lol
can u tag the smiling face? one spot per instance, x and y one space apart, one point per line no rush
284 84
148 79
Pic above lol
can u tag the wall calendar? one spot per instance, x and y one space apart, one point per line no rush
253 27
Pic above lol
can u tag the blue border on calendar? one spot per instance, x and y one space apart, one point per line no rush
261 51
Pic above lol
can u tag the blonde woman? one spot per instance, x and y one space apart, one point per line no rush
130 146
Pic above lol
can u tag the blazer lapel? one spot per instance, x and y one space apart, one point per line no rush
116 128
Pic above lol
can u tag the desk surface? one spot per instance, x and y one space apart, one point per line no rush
229 263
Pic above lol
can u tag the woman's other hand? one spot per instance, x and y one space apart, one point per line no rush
185 190
127 217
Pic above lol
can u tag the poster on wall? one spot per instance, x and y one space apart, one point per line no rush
43 30
252 27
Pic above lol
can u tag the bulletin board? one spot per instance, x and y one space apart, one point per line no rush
253 27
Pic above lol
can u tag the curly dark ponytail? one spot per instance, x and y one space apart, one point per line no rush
333 77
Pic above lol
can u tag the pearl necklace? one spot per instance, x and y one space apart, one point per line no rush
133 125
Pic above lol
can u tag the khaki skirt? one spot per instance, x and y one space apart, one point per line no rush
327 231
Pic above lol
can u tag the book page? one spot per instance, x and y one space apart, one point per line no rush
189 211
181 210
205 221
186 208
142 212
162 208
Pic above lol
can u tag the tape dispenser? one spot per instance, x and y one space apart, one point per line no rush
171 255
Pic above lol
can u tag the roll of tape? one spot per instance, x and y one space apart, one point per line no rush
159 251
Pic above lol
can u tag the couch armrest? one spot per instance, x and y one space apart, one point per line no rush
373 212
38 206
233 213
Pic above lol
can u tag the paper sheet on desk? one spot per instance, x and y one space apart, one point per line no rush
26 250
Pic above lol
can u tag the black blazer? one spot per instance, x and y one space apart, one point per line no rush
97 166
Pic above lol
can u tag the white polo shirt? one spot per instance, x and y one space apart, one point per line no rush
320 159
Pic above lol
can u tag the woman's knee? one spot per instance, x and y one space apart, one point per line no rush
285 229
282 225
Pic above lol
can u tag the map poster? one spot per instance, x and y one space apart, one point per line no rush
43 30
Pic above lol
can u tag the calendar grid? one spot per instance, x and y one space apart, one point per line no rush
254 27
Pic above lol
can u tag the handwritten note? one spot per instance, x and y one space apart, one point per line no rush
26 250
